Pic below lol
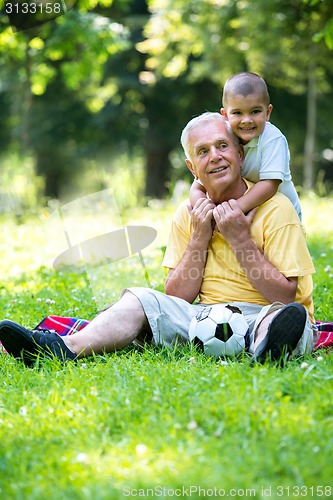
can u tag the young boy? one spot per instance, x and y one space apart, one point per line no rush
246 105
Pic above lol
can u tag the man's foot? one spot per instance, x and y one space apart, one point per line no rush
28 344
283 334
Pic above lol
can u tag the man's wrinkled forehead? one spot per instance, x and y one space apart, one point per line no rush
218 139
206 133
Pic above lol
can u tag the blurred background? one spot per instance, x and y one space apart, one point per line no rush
97 97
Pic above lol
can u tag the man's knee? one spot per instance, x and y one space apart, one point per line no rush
131 305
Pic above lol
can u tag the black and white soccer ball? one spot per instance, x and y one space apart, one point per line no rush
220 330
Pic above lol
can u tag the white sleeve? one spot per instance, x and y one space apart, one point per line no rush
275 159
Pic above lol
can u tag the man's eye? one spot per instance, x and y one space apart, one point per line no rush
223 145
202 152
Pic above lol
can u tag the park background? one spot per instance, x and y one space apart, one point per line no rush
97 98
94 102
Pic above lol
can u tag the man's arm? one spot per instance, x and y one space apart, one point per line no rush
185 280
267 279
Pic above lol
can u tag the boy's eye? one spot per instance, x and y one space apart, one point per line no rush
256 111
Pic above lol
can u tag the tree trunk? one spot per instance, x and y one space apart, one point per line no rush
47 166
157 170
310 137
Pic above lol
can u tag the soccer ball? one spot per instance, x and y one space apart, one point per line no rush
220 330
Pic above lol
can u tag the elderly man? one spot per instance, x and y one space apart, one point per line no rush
258 262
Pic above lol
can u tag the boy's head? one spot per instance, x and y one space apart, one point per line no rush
246 104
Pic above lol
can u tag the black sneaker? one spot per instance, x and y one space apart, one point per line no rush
28 344
283 333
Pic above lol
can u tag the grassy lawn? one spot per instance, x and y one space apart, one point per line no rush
153 422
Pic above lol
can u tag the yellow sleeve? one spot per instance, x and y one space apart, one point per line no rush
278 231
179 237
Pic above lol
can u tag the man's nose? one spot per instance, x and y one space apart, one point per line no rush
215 153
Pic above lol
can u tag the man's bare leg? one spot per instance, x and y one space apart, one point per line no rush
112 329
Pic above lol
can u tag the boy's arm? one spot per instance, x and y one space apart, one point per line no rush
258 194
197 192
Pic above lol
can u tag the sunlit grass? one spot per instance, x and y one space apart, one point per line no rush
151 419
154 421
318 220
317 216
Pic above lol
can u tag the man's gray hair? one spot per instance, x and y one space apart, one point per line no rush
206 117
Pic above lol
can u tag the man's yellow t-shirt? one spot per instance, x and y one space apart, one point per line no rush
277 232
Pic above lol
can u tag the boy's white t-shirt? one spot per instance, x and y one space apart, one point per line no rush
268 157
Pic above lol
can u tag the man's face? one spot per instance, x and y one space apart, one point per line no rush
215 159
247 115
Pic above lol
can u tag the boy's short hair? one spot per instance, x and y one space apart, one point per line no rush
208 116
244 84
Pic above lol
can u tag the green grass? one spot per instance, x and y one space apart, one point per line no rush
154 422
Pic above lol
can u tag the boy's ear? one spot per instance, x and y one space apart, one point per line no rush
191 169
268 112
223 112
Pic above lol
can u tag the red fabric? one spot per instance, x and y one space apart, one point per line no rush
62 324
325 340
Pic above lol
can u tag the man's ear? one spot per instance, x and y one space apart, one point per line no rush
241 153
191 169
223 112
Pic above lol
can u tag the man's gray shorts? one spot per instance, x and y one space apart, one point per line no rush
170 317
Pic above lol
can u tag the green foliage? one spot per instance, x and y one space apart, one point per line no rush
226 36
327 20
79 43
53 84
327 34
111 76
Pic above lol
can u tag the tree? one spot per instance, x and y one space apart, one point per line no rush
117 65
220 37
53 78
82 76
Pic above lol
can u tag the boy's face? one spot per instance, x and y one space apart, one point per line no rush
247 115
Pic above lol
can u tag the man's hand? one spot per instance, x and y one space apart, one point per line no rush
202 217
232 223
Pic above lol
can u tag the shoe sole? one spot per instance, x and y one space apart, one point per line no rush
18 342
283 333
